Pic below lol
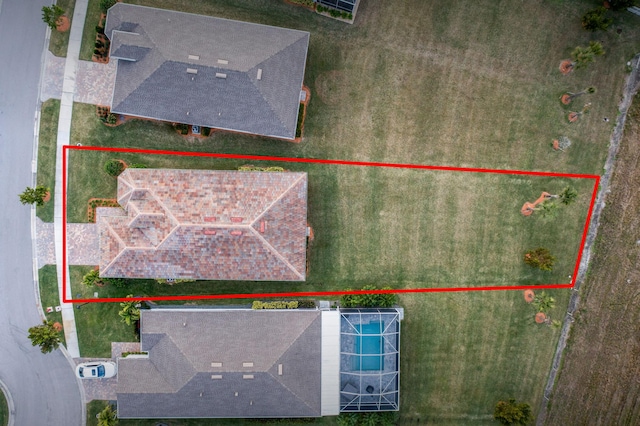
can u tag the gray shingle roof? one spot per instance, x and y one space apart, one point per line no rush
156 47
176 380
204 224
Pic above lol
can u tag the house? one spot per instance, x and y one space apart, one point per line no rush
243 363
211 72
206 225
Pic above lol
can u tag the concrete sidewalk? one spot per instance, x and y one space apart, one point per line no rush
64 132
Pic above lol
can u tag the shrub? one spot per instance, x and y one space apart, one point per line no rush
250 168
540 258
137 166
116 282
369 300
99 29
621 4
512 413
321 9
96 52
595 19
50 15
34 195
106 4
257 304
307 304
206 131
112 118
113 167
182 128
91 277
174 281
300 118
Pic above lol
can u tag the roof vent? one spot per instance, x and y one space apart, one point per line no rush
221 75
236 233
194 57
263 226
236 219
209 219
247 364
216 364
279 369
223 62
209 232
247 376
192 71
216 376
259 77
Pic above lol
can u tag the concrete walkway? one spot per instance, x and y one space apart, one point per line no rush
64 132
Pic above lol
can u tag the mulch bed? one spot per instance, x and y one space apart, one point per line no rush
565 99
529 295
99 202
566 66
540 318
63 24
573 117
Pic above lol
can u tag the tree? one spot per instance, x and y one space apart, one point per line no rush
582 56
621 4
512 413
113 167
107 417
568 195
543 302
595 19
106 4
46 336
369 300
50 15
91 277
34 195
130 311
540 258
569 96
548 209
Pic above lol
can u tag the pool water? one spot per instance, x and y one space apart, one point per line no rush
369 346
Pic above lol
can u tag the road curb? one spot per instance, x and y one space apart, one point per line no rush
9 398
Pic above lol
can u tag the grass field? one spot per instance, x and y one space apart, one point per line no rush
60 40
403 228
458 83
598 383
47 155
4 410
48 281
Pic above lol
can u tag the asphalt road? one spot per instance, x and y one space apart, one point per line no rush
43 387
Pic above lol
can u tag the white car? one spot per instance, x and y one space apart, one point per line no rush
96 370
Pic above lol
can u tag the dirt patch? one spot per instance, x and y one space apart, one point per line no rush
566 66
332 87
63 24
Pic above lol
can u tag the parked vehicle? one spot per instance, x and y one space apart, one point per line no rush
96 370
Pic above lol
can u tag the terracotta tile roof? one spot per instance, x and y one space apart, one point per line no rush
202 224
266 364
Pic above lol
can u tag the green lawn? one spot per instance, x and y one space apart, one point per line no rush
468 83
89 31
4 410
60 40
48 282
47 145
97 324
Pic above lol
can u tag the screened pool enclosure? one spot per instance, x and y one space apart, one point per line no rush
369 359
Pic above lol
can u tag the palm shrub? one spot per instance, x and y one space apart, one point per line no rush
46 336
582 56
106 4
130 311
543 302
568 195
34 195
50 15
107 417
540 258
90 278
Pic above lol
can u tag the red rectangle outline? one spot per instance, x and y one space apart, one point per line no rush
65 299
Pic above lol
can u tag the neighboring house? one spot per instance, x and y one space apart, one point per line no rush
206 225
261 363
206 71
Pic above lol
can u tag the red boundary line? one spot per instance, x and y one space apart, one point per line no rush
65 149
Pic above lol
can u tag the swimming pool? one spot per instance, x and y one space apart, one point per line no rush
369 347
